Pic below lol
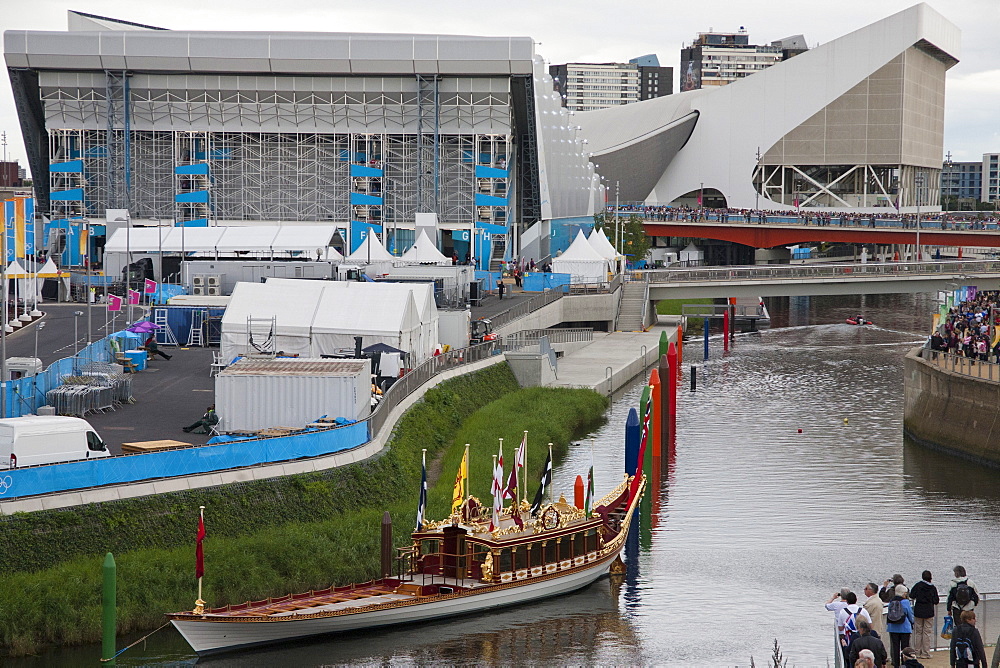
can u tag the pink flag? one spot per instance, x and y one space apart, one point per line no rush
150 288
133 296
114 303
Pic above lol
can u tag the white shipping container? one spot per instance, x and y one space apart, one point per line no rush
255 394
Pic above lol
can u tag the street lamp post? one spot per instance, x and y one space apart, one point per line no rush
756 189
76 339
919 182
40 326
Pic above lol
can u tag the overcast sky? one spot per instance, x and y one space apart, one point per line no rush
583 30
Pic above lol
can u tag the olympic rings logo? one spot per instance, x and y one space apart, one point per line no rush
6 483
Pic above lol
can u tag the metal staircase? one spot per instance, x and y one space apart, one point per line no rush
632 309
164 335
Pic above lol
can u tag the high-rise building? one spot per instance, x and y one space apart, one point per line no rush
590 86
719 58
990 191
961 181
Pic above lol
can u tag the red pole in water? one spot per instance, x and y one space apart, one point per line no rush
672 388
662 407
656 396
680 350
725 329
578 492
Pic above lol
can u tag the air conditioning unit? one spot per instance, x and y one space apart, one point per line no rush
215 280
213 290
198 281
198 290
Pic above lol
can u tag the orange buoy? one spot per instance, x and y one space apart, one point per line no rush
578 492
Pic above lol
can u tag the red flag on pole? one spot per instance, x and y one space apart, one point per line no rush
150 287
114 303
199 554
133 296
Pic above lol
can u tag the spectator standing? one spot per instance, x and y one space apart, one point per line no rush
838 601
910 658
888 589
962 594
874 606
925 599
900 623
866 641
966 649
847 623
500 287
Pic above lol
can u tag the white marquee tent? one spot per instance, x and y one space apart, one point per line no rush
373 256
425 252
599 242
581 262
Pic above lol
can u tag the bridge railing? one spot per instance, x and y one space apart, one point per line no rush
718 310
862 271
967 366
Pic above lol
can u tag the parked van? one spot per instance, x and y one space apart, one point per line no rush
47 439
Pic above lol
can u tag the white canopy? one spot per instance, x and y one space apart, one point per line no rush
425 252
314 318
372 254
15 270
266 239
599 242
691 253
48 270
581 262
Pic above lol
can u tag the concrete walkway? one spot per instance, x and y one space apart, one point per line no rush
612 360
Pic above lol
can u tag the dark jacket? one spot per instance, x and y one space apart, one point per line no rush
971 632
912 663
872 643
925 597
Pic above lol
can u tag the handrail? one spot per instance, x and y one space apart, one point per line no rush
862 271
524 308
966 366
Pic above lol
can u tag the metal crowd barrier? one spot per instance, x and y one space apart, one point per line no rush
961 364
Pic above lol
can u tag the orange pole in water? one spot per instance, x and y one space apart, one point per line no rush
656 394
680 349
578 492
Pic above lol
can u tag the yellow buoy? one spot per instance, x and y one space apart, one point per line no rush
845 420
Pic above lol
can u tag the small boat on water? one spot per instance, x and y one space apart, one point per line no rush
464 564
858 320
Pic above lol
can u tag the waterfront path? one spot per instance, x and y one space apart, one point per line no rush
611 360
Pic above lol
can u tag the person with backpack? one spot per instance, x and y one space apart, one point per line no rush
847 623
962 594
900 623
925 599
966 650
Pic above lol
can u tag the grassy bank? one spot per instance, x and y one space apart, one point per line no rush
675 306
253 550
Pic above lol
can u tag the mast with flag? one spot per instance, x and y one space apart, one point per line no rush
543 484
422 504
497 487
511 491
199 559
458 494
589 504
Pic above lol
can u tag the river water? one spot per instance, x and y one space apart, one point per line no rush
753 526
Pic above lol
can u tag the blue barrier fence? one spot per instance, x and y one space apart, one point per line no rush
188 461
536 281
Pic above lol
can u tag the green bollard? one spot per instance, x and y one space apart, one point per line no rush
109 611
664 344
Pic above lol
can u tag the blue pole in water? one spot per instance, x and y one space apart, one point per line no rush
632 437
706 339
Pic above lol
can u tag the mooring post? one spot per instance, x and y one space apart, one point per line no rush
694 378
725 330
667 379
706 339
664 342
656 396
386 544
108 618
632 437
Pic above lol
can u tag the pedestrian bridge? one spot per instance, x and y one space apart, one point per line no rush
818 279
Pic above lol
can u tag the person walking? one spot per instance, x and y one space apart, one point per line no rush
925 599
500 287
966 649
962 594
900 623
875 607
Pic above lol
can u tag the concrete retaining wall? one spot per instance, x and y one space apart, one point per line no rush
951 411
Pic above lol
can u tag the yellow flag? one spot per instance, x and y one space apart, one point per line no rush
458 494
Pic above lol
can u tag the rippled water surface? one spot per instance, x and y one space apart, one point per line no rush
754 524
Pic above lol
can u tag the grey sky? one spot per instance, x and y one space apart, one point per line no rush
576 31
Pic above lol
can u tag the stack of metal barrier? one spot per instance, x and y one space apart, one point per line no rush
98 388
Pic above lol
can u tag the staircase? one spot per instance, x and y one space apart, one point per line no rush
631 309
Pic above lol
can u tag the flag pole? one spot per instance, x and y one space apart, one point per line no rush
525 464
199 605
465 478
549 490
201 516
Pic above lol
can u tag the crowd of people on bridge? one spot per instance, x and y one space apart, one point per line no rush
903 613
968 329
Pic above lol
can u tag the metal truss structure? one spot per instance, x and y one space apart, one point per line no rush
863 186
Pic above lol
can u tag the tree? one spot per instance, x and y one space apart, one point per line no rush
634 244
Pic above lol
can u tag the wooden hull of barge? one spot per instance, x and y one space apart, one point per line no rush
208 635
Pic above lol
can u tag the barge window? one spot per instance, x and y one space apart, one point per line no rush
520 558
535 555
551 556
579 549
505 560
428 547
592 540
565 548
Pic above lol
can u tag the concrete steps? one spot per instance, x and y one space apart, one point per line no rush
631 307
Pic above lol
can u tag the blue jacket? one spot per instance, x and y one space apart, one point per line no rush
905 626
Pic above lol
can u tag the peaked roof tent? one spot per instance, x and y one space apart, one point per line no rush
262 239
599 242
580 249
370 250
424 251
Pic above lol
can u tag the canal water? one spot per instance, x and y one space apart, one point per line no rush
754 523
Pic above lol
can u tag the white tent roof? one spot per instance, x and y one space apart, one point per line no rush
378 253
15 270
580 249
350 311
293 307
48 270
256 239
425 252
599 242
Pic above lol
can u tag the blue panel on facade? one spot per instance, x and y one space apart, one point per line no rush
490 200
68 167
491 228
218 154
359 230
361 198
198 197
200 168
484 172
197 222
364 170
73 195
96 152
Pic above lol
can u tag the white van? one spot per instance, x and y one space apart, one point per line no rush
47 439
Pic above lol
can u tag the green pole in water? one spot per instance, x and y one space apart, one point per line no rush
664 344
108 616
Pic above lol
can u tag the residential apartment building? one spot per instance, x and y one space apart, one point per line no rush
719 58
990 191
591 86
